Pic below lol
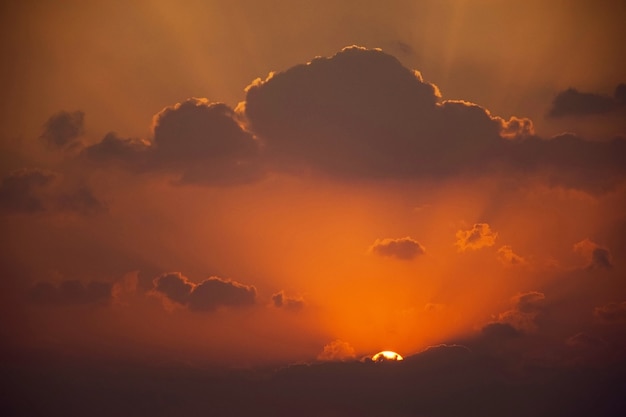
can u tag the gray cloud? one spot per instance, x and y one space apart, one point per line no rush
572 102
37 190
208 295
199 141
63 129
403 248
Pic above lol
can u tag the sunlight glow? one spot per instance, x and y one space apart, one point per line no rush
387 355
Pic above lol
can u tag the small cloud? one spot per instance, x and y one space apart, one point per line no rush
597 256
572 102
586 342
403 248
525 309
208 295
22 191
337 350
479 236
509 258
280 300
612 312
63 129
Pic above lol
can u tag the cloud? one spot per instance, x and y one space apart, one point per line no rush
280 300
337 350
612 312
358 114
199 141
35 190
402 248
208 295
509 258
70 292
479 236
21 191
520 319
362 113
63 129
586 342
571 102
597 256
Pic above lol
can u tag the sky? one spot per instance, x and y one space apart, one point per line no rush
212 198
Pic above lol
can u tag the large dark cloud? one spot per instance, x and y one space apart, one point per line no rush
199 141
361 112
208 295
63 129
572 102
70 292
37 190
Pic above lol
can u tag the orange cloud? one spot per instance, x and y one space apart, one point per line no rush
337 350
510 258
280 300
597 256
479 236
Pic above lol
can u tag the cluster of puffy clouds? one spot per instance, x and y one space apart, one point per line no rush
357 114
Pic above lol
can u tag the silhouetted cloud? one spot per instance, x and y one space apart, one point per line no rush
70 292
585 341
63 129
612 312
337 350
402 248
572 102
499 330
479 236
37 190
21 191
520 319
597 256
280 300
208 295
199 141
362 113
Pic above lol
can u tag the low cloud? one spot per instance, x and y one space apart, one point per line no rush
572 102
479 236
208 295
403 248
521 318
63 129
612 312
337 350
70 292
199 141
31 191
597 256
280 300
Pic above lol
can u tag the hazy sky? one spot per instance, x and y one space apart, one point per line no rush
244 183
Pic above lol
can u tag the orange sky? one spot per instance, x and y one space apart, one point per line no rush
389 217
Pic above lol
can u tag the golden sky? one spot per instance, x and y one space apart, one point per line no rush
243 183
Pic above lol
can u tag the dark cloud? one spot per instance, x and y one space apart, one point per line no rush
21 191
208 295
357 114
612 312
36 190
199 141
63 129
572 102
360 112
597 256
280 300
587 342
520 319
70 292
403 248
479 236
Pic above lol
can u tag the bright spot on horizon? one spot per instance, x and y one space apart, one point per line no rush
387 355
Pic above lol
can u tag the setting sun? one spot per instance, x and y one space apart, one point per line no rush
387 355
